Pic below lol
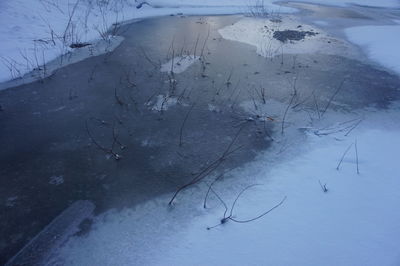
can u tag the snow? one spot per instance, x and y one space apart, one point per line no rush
260 33
380 3
374 3
381 43
353 223
179 64
344 226
56 180
33 31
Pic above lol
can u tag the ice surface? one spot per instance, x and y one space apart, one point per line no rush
39 249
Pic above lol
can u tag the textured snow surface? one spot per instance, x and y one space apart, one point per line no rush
381 43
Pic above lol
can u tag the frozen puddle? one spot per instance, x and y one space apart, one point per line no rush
179 64
170 127
284 36
39 249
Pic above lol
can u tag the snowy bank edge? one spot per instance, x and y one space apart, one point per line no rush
7 81
379 43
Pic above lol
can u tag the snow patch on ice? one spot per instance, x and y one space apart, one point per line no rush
56 180
11 201
163 102
213 108
380 43
179 64
148 143
260 33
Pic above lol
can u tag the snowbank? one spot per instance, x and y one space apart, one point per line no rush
380 3
381 43
34 32
374 3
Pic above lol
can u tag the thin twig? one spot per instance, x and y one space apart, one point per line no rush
205 42
355 146
355 125
261 215
183 124
117 98
108 151
148 58
316 106
230 217
210 168
344 154
195 46
323 187
332 97
210 187
290 103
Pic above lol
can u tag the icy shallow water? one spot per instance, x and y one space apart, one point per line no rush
49 160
